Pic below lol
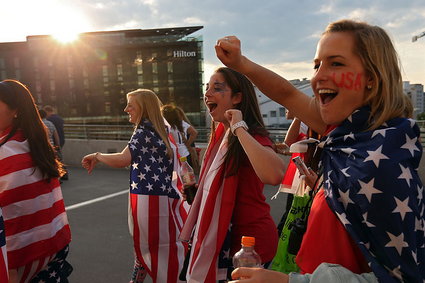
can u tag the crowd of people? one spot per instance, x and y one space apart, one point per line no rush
366 214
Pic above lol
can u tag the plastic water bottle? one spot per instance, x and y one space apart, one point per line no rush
246 256
188 178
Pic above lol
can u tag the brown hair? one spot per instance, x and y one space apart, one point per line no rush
18 97
239 83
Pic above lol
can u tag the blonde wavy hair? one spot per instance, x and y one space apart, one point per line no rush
150 108
381 62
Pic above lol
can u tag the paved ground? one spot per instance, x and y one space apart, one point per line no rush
101 248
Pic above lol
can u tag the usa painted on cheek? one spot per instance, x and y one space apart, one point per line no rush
348 80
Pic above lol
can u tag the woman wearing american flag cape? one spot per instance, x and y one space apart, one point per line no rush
35 222
157 210
239 160
367 219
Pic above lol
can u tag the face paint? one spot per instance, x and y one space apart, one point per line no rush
346 81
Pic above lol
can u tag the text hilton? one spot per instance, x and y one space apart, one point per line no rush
182 53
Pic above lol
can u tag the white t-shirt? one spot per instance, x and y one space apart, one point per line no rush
179 141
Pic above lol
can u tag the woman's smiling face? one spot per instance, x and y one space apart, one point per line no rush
218 98
339 81
133 110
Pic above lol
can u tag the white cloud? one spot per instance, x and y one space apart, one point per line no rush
293 70
193 21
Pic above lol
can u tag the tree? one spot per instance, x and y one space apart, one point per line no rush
421 116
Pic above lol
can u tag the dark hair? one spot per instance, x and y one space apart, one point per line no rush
43 114
238 83
172 116
48 108
18 97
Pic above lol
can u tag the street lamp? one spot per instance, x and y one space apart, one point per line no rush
418 36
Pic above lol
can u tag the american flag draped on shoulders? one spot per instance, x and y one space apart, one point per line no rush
157 209
34 214
210 215
373 186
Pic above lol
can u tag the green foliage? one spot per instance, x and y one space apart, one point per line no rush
421 116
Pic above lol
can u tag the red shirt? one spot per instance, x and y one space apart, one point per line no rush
251 214
326 240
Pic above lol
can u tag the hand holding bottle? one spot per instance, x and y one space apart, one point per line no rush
188 179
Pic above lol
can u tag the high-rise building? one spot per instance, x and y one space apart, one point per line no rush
90 76
416 94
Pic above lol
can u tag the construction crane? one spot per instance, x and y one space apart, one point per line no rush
418 36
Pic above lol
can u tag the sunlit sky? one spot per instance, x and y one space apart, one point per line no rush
279 34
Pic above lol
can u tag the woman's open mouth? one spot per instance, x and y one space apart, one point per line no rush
211 106
327 95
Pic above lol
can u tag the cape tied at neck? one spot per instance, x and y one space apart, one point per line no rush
372 184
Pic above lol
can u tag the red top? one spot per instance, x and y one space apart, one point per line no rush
326 240
251 214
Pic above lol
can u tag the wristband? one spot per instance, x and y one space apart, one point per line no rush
238 125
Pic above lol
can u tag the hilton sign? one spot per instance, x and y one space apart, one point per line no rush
182 53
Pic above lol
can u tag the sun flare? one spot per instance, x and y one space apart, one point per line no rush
66 36
51 17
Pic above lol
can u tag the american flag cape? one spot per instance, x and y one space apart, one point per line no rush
211 212
4 276
372 184
157 210
34 214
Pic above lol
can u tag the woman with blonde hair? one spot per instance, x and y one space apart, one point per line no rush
369 206
157 212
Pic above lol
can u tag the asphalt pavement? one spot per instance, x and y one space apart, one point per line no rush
97 207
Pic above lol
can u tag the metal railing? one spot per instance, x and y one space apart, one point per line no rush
124 132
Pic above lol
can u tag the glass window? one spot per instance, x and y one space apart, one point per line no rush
154 67
140 80
139 69
170 67
155 80
70 72
105 70
107 107
119 70
35 61
281 111
272 113
18 74
52 85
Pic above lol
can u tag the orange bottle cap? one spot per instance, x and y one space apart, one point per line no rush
248 241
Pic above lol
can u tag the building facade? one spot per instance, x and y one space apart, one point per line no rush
89 77
416 94
273 113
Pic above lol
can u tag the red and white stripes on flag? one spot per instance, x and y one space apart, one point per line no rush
210 215
34 214
155 223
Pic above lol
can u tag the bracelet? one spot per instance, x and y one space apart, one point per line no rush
238 125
